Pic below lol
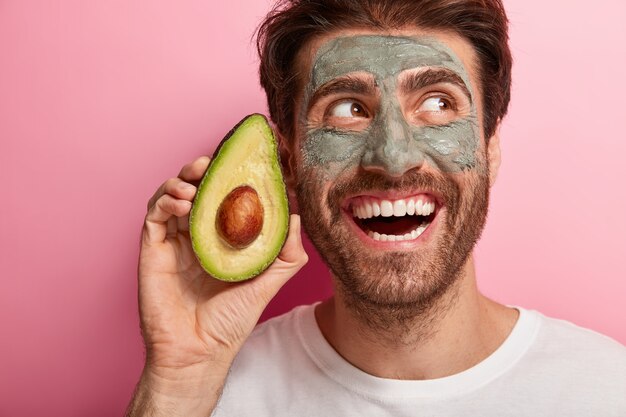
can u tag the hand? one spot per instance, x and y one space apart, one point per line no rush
190 320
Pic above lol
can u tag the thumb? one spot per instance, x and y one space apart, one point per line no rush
290 260
293 251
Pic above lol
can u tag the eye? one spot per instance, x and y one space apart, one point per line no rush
435 104
348 109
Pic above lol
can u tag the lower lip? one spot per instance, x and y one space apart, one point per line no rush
394 245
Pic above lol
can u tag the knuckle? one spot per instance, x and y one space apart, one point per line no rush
152 201
165 202
157 194
183 207
186 188
171 184
179 188
173 206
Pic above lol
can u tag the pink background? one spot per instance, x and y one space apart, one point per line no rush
100 102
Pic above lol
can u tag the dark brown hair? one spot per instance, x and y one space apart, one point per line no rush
293 23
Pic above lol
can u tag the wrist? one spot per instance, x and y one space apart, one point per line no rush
189 391
185 380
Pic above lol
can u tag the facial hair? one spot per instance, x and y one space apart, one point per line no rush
391 289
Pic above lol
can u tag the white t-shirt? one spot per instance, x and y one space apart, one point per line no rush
546 367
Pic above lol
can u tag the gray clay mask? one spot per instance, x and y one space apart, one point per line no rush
389 142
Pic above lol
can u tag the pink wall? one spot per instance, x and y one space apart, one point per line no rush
102 101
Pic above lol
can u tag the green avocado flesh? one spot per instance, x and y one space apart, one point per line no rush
248 156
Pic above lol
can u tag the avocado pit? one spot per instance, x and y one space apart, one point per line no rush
239 217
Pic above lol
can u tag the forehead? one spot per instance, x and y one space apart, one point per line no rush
382 56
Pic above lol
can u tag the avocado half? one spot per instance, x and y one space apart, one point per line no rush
247 158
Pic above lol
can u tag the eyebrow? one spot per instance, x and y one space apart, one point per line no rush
430 76
347 84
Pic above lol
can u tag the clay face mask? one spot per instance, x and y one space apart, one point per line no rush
389 141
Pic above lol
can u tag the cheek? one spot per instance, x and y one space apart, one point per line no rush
312 192
452 147
331 151
473 189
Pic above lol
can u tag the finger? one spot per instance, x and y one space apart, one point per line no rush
180 189
195 170
174 187
172 226
183 224
155 225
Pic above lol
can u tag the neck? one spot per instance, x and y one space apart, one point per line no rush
459 330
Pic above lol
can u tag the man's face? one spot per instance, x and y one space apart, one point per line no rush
391 171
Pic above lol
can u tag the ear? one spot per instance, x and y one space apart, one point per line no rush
288 164
493 155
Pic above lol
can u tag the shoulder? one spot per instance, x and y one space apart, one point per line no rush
566 338
578 360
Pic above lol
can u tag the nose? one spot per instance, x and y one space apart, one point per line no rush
391 148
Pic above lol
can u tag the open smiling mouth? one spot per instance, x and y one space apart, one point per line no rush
393 220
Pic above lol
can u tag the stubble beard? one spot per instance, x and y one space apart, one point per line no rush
394 292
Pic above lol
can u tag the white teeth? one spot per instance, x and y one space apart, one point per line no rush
418 207
369 211
395 238
367 208
410 207
386 208
399 208
375 208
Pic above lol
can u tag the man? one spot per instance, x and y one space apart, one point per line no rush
388 114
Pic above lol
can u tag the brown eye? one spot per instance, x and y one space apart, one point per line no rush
435 104
348 109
